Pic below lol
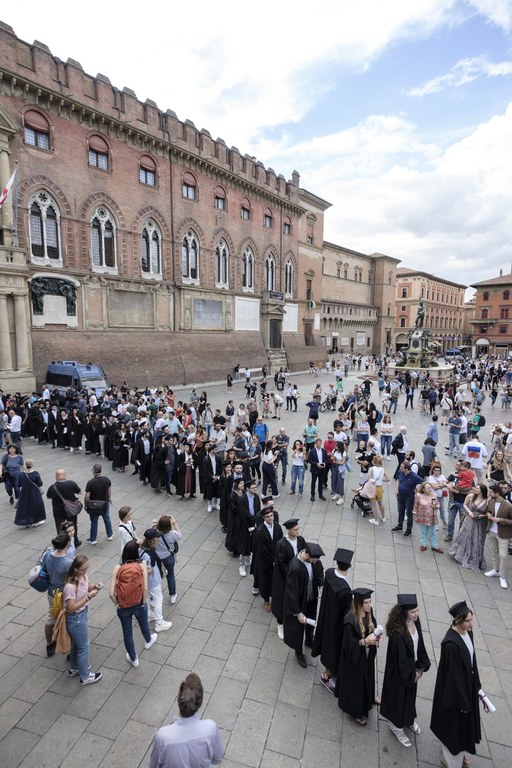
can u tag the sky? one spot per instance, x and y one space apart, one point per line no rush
398 113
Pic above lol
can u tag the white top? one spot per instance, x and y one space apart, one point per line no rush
469 645
377 474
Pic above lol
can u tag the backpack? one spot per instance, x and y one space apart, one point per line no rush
481 420
130 585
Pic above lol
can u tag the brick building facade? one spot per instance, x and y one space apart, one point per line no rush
444 302
492 318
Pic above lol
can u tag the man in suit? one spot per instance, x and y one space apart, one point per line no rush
499 531
317 458
264 541
301 597
212 472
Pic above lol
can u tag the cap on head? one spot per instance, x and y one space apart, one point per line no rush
407 601
458 608
292 523
151 533
362 593
343 556
314 550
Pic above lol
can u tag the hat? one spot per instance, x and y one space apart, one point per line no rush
409 602
362 592
249 483
291 523
267 511
343 556
315 550
267 499
458 608
151 533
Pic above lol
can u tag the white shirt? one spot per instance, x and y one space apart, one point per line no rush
15 423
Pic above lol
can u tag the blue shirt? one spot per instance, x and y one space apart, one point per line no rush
433 432
407 483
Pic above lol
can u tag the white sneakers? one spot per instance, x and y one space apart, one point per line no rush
154 638
491 573
280 631
242 571
93 677
373 521
340 501
163 626
173 598
503 583
209 508
335 497
134 662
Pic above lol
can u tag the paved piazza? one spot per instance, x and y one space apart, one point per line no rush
272 713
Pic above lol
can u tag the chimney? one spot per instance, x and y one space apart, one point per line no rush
501 273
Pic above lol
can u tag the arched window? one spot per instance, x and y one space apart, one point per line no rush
245 208
151 249
485 314
189 186
506 295
267 218
190 257
288 278
147 171
219 200
45 230
221 264
36 129
270 273
287 226
98 153
103 241
248 269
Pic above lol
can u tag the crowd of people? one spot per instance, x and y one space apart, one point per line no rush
232 458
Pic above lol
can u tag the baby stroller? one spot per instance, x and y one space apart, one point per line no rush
363 504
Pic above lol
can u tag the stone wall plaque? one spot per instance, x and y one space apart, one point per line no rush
127 309
208 314
290 319
247 314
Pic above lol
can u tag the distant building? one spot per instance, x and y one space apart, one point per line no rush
492 322
444 303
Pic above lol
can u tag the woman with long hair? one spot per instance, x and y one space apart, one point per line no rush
76 596
76 430
269 465
298 467
186 473
406 661
497 468
121 448
468 547
170 534
378 474
254 458
386 436
355 684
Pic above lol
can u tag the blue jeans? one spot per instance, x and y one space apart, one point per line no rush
393 404
169 474
12 483
385 444
283 460
455 507
405 506
453 445
171 581
106 519
428 533
125 616
337 481
76 624
297 474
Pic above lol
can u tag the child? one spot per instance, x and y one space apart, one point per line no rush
466 478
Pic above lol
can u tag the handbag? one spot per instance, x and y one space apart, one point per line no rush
38 577
57 603
71 508
95 506
368 490
176 547
61 635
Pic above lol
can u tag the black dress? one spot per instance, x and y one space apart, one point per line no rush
335 603
262 564
455 706
399 685
30 507
296 600
355 684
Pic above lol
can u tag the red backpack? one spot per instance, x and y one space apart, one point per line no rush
130 585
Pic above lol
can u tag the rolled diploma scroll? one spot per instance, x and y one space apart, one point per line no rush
488 705
311 622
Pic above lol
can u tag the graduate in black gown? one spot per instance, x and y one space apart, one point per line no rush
455 706
288 548
335 603
301 598
356 672
264 542
406 661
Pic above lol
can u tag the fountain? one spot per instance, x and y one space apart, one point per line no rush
422 351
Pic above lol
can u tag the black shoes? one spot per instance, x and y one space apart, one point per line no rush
301 659
312 498
396 528
321 497
50 649
407 533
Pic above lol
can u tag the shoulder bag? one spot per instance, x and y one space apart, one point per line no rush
38 577
71 508
176 547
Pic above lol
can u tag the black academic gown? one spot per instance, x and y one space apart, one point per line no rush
335 603
262 565
296 601
355 684
455 706
399 687
284 556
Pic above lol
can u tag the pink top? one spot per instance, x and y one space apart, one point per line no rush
76 592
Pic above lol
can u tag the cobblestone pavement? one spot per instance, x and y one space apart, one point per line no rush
272 713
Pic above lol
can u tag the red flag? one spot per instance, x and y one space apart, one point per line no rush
7 189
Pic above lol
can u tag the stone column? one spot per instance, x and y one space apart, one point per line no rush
5 337
6 209
20 325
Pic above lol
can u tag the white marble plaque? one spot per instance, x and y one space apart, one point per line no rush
247 314
54 313
290 319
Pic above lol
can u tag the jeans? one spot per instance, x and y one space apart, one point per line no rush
106 519
393 404
125 616
385 444
453 445
76 624
171 581
405 506
337 481
283 460
12 483
297 474
169 474
455 507
428 533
